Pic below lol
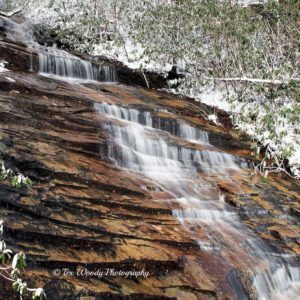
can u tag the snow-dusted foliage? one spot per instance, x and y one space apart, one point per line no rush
249 54
244 58
11 266
275 124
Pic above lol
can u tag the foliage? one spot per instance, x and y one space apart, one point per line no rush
251 52
11 266
16 180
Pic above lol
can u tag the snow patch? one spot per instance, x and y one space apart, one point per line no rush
214 119
10 79
215 98
2 66
131 55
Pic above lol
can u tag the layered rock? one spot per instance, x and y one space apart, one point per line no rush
85 212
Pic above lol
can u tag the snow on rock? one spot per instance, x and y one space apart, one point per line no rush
214 119
10 79
2 66
216 97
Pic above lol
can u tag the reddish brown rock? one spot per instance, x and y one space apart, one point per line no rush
85 212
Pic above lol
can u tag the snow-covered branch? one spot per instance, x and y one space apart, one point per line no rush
257 80
14 11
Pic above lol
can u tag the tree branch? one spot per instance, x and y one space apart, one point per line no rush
13 12
147 83
256 80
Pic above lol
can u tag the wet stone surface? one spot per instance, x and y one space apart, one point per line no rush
86 211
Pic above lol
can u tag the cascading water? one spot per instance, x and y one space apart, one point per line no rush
142 143
151 150
62 65
15 31
57 63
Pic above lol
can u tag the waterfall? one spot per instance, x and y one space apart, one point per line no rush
14 31
145 118
143 143
57 63
63 65
152 151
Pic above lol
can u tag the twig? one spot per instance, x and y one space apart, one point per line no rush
147 83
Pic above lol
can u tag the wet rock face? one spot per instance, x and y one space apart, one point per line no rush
13 40
10 50
85 212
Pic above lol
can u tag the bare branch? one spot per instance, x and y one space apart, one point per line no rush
147 83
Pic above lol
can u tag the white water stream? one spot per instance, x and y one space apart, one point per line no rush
58 63
142 148
143 144
63 65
